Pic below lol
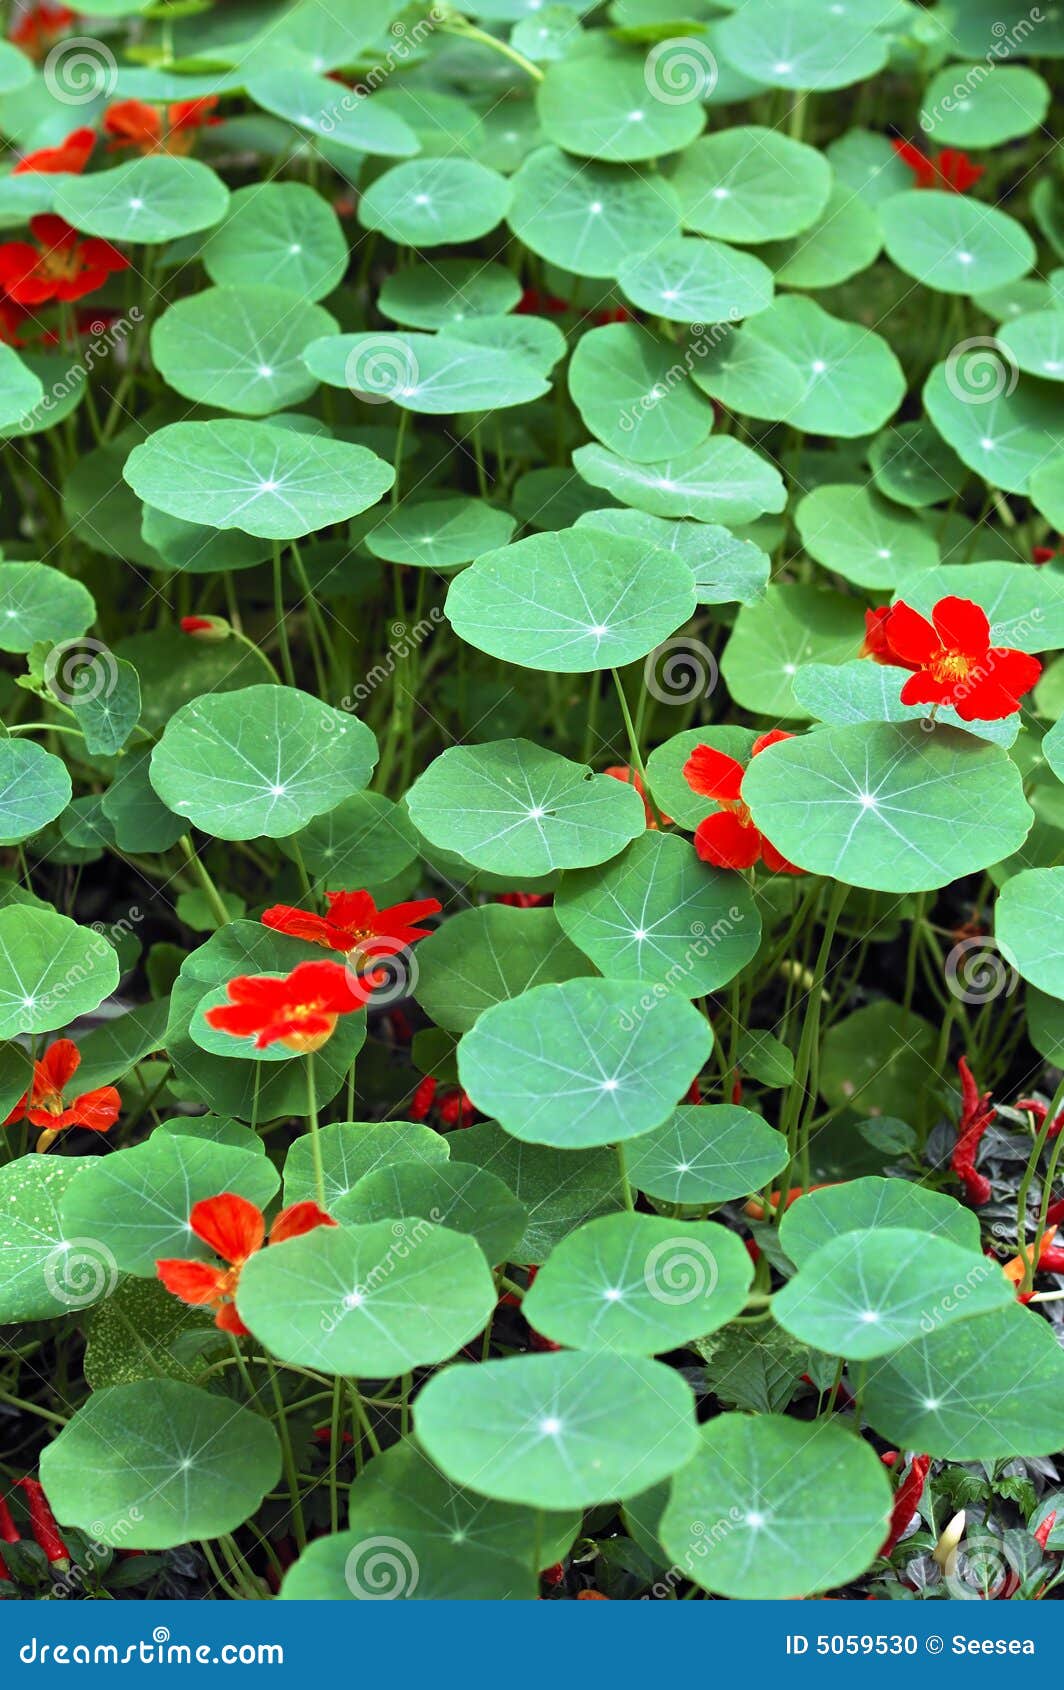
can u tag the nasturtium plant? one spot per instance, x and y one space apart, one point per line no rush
531 790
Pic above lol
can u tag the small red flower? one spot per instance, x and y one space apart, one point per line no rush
1042 1532
533 303
60 266
977 1112
234 1229
134 123
39 27
355 923
632 777
876 644
1044 554
71 156
906 1501
299 1011
524 900
45 1103
950 170
210 629
955 664
728 838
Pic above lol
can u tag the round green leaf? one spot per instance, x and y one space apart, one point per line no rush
154 1464
589 217
845 239
889 807
513 807
239 348
557 1431
531 340
720 481
439 533
348 121
352 1149
371 1300
448 291
690 280
632 391
488 954
964 106
639 1284
912 465
1029 926
571 601
457 1195
146 202
559 1189
872 1203
283 234
364 841
1036 342
1007 434
584 1062
793 1508
40 603
263 760
34 789
862 538
46 1272
657 914
605 107
20 391
860 691
792 625
266 481
750 184
435 202
707 1153
51 970
954 244
432 374
788 44
725 568
865 1294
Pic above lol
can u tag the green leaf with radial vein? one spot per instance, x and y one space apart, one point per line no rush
262 760
724 567
34 789
601 104
697 281
889 807
328 112
657 914
281 233
571 601
845 239
20 389
633 392
531 340
352 1149
1025 606
794 1508
789 45
867 1293
513 807
46 1273
146 202
154 1464
639 1284
863 538
431 202
265 480
40 603
557 1431
912 465
795 363
1036 342
1029 926
239 348
439 533
486 955
51 970
371 1300
430 374
953 243
450 290
792 625
862 691
858 1204
722 480
560 1189
1004 439
135 1203
589 218
364 841
583 1063
707 1153
976 1391
457 1195
991 109
750 184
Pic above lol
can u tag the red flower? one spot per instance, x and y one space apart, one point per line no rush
211 629
300 1011
1042 1532
955 663
533 303
133 123
876 644
728 838
234 1229
977 1112
950 169
44 1104
632 777
1044 554
524 900
72 155
906 1500
40 27
60 266
355 923
454 1106
12 317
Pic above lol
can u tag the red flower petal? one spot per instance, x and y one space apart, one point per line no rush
911 635
197 1283
56 1068
962 626
773 737
713 774
230 1226
727 842
297 1219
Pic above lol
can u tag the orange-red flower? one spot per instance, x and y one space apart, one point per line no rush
954 662
354 923
950 169
39 27
299 1010
234 1229
876 643
134 123
729 838
72 155
60 266
46 1104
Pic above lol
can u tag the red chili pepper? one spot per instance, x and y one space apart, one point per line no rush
977 1112
1041 1535
8 1534
889 1457
906 1500
1040 1111
42 1523
1055 1212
